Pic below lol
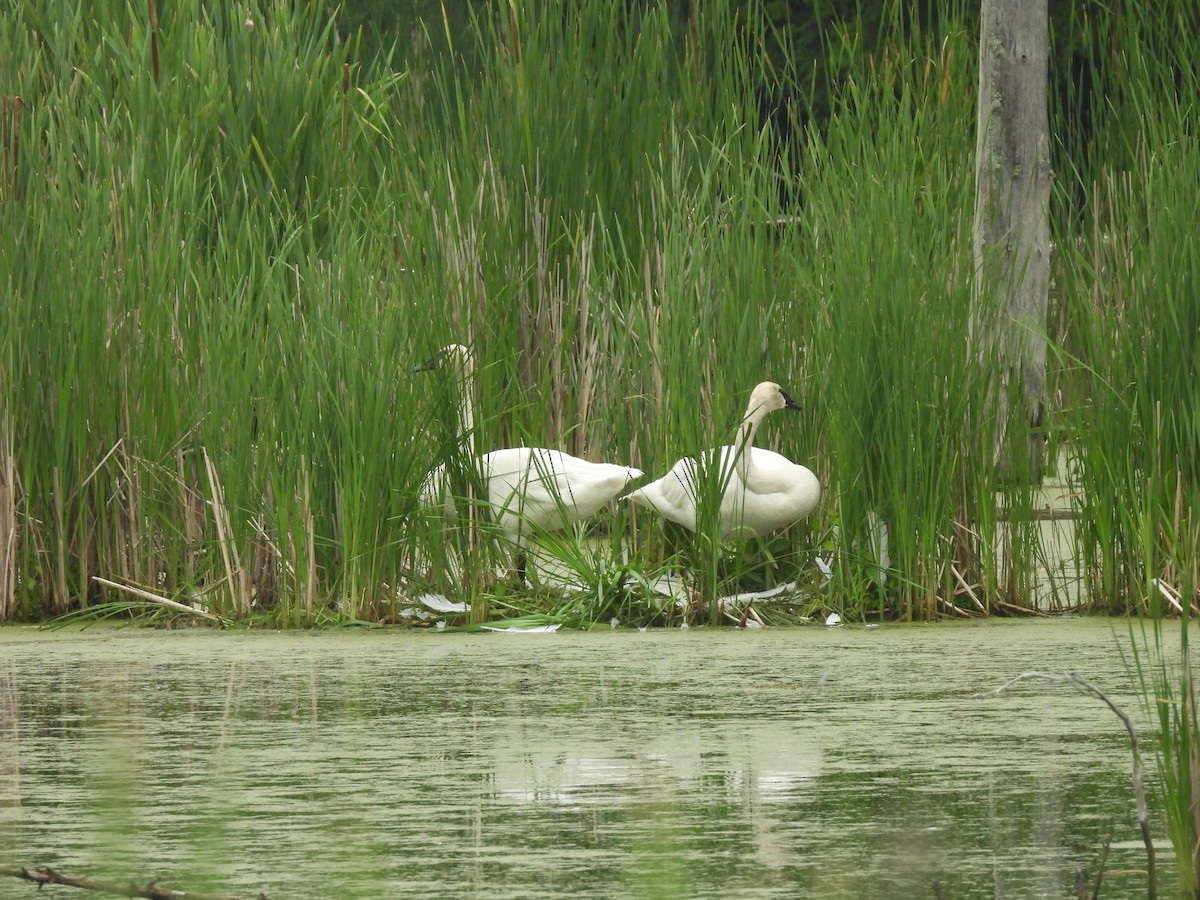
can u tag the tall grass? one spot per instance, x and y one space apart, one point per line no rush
1132 319
1165 680
887 279
227 239
201 345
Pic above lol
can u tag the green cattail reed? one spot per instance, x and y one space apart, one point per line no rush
1164 677
887 184
153 39
1130 302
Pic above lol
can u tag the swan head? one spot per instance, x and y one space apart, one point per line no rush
766 398
455 357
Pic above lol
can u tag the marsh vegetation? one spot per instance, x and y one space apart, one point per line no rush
226 238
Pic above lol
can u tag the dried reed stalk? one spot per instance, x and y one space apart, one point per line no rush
310 581
229 554
8 524
192 504
60 600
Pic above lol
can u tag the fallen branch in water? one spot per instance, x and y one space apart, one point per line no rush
1139 786
149 891
155 598
955 610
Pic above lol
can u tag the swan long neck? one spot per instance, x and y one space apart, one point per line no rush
745 441
466 408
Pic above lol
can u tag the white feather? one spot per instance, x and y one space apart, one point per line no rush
764 491
526 486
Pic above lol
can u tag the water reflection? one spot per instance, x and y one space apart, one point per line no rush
810 762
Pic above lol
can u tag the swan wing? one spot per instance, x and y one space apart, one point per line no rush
674 495
777 493
772 473
549 488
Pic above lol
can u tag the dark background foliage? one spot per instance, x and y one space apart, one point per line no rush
1085 48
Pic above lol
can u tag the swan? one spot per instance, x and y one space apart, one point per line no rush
762 490
526 488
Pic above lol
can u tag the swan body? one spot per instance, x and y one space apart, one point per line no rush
527 488
533 486
763 490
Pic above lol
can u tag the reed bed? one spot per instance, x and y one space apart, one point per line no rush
1164 677
228 239
1132 416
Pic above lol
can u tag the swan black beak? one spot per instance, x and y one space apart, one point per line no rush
789 403
434 362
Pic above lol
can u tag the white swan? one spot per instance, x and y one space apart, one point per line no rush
526 488
763 491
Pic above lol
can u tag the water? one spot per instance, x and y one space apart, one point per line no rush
809 762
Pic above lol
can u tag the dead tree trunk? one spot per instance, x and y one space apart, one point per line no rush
1012 227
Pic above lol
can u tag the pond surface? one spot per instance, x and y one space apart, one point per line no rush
809 762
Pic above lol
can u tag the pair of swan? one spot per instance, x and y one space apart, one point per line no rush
761 491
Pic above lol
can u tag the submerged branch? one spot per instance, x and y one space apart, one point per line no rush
1018 610
1100 872
1139 786
148 891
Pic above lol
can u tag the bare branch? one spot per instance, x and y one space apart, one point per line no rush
1139 786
